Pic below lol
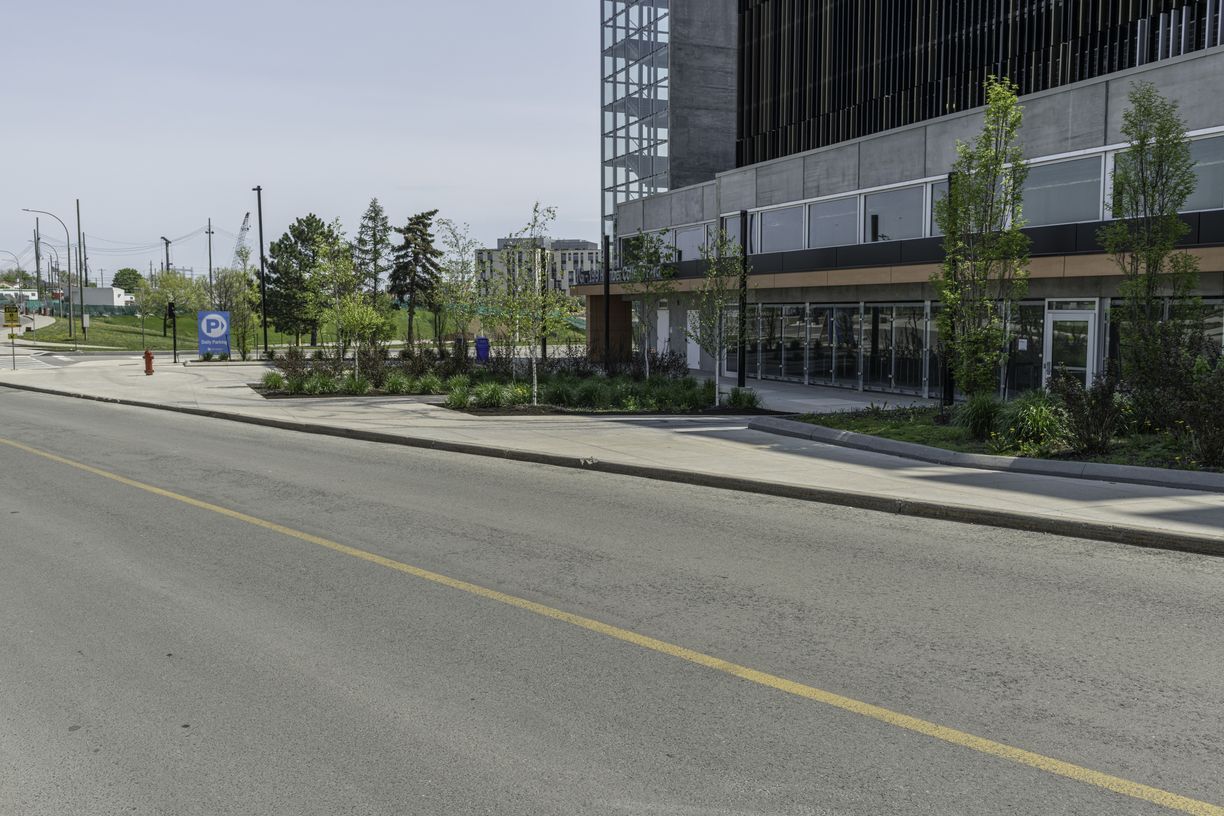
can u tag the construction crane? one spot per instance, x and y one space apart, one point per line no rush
241 243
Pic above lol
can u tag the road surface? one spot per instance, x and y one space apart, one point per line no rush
211 618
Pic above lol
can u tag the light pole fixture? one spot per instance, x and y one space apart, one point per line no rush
263 277
68 253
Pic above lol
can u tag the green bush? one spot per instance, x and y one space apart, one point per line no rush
518 394
397 382
560 392
295 385
206 356
980 416
430 384
594 393
355 384
458 399
459 382
744 398
292 363
223 358
490 395
320 383
1201 427
1033 424
274 381
1095 415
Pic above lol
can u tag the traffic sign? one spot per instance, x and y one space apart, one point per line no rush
11 318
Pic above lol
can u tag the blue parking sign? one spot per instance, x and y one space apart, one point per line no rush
214 333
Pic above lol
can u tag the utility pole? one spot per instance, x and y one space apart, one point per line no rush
37 264
68 259
211 299
263 277
81 272
167 240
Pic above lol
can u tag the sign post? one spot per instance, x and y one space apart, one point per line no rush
12 321
213 330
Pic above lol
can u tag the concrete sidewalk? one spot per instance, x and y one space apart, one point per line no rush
715 450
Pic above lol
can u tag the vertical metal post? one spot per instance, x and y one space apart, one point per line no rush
741 358
37 265
211 298
81 271
263 277
607 303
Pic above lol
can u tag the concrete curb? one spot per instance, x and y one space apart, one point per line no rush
1006 519
1124 474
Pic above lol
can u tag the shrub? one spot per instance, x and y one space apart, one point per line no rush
518 394
273 381
397 382
594 394
206 356
355 384
668 365
429 384
559 392
292 363
490 395
1095 415
1201 426
295 385
744 398
223 357
373 364
980 416
459 382
320 383
1034 424
458 399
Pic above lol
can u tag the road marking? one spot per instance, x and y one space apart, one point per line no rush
947 734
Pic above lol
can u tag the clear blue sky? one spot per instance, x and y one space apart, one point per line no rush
158 115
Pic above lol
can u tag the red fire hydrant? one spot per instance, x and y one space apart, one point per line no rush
148 358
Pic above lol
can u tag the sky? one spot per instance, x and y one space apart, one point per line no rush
160 115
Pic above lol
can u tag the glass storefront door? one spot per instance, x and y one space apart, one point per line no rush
820 345
771 342
794 330
878 347
1070 343
846 343
909 344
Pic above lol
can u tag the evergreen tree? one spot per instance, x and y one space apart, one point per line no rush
373 246
416 270
293 276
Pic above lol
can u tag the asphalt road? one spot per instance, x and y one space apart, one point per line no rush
160 657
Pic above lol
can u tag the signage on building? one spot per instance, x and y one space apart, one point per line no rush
214 333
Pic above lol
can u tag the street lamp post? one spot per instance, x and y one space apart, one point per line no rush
167 240
263 277
68 246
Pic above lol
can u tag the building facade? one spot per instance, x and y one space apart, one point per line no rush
668 96
569 260
842 243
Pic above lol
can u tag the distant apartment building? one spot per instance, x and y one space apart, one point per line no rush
845 119
568 261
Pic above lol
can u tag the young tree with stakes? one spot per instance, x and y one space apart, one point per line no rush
1152 179
719 289
985 271
650 276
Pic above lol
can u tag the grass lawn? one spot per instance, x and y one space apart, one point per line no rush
918 425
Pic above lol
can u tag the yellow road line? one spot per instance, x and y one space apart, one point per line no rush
950 735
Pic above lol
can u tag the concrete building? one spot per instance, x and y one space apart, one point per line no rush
106 297
843 150
669 74
569 260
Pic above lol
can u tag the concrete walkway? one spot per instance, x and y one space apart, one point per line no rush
717 446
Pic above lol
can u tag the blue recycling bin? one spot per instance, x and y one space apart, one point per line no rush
482 349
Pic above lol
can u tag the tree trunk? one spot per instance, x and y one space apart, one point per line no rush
535 383
411 321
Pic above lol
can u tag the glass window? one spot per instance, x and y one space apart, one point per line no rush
893 215
939 191
1208 193
1063 193
689 241
782 230
833 223
731 226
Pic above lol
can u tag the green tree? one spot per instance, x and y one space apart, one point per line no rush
719 289
373 246
650 277
359 322
416 269
456 299
236 292
985 271
128 280
1152 179
294 302
186 293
